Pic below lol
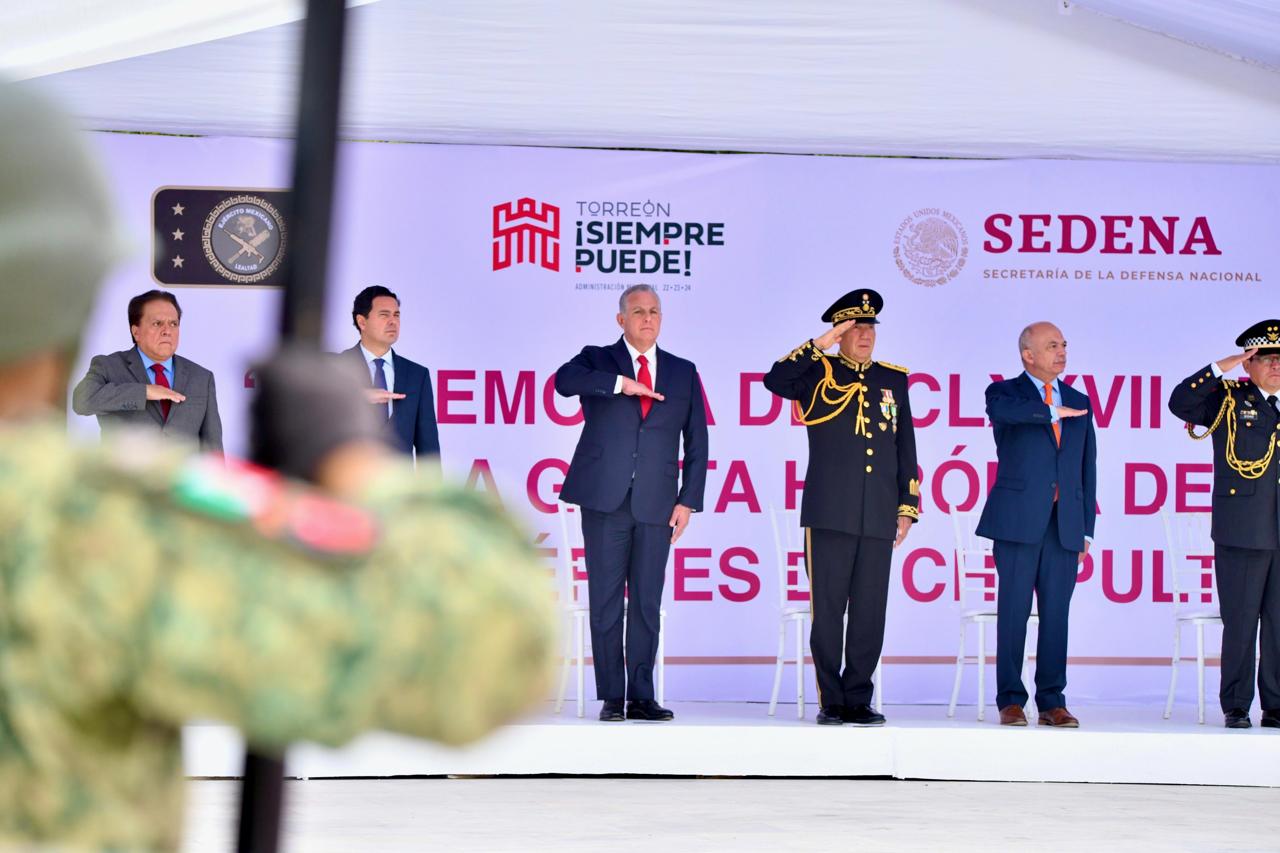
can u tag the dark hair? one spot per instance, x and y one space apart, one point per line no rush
364 302
139 302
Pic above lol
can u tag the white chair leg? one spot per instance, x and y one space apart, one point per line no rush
662 664
567 658
1026 659
800 668
1200 672
777 667
982 671
1173 667
579 629
955 687
879 682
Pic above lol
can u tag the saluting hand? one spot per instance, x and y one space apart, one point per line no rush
381 395
827 340
632 388
159 392
1231 362
679 521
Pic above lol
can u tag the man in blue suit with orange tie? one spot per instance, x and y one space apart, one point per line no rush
1040 513
401 386
639 403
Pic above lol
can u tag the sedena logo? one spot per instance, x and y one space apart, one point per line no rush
526 231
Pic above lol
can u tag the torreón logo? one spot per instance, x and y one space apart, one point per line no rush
638 238
526 231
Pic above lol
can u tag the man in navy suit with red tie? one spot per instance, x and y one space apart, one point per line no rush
401 386
638 404
1040 513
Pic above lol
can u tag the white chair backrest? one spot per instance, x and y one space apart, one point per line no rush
570 582
975 565
789 555
1189 548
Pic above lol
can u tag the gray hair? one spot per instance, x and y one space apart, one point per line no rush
636 288
1024 339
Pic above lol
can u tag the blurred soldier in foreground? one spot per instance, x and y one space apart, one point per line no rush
141 587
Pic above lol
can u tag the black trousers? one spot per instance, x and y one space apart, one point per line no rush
1248 592
850 572
624 556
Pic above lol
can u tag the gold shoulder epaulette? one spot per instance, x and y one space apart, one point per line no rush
897 367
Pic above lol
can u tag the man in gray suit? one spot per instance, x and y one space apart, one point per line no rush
150 385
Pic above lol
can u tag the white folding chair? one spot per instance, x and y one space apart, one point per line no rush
788 541
789 556
575 611
1190 552
977 583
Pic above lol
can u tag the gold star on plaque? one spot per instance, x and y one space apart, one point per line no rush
177 261
177 235
177 209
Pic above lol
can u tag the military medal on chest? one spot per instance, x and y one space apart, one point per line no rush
889 407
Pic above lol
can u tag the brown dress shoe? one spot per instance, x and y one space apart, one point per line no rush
1059 718
1011 715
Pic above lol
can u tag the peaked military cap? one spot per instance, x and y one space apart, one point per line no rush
1262 336
862 305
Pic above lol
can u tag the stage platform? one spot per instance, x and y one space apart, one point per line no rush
1114 744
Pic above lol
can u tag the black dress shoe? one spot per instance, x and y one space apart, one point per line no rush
1237 718
829 715
861 715
647 709
611 711
1271 719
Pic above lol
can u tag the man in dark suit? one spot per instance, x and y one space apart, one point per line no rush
401 386
1243 418
638 403
1041 514
861 495
151 385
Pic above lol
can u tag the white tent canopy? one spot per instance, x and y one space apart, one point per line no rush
967 78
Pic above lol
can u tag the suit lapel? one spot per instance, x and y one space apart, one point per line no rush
623 358
181 375
133 362
664 371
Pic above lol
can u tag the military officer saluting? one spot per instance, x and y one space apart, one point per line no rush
861 494
1242 417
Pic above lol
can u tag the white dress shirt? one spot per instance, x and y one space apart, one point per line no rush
651 356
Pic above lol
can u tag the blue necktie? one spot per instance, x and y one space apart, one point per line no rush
380 380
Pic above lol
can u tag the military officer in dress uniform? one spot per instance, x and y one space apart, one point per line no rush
1242 417
861 494
141 586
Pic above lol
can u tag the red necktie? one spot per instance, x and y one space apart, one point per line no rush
158 370
645 379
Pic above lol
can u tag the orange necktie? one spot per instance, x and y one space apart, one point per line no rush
1057 426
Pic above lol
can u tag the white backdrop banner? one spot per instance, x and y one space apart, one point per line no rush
509 260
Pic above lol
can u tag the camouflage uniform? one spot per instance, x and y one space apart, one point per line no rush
139 588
